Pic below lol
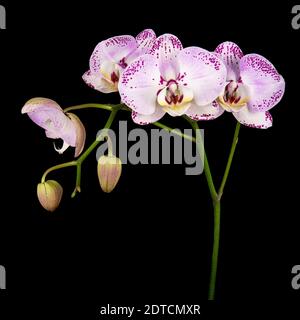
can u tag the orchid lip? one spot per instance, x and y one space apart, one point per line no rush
172 95
233 98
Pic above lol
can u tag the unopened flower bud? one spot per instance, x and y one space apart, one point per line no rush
109 172
49 194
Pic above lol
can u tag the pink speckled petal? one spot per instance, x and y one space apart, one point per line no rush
207 112
265 85
259 120
166 49
98 82
230 54
114 49
146 119
203 72
166 46
139 85
145 40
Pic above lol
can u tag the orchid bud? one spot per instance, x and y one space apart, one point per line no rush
109 172
49 194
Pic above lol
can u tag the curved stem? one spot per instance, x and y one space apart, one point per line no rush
180 134
230 158
123 107
207 172
90 149
108 107
59 166
110 147
80 160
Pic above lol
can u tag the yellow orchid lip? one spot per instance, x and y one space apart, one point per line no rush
177 110
234 106
234 97
174 99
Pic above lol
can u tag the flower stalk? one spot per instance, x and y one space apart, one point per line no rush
215 196
216 199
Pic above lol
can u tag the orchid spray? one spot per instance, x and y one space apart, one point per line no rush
155 76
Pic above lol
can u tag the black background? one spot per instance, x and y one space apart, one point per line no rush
150 240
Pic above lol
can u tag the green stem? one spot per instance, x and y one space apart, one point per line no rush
177 132
59 166
215 252
217 210
206 168
108 107
78 181
89 105
123 107
80 160
216 199
110 147
230 158
217 218
90 149
98 140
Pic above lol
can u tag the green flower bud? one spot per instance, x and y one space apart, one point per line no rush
49 194
109 172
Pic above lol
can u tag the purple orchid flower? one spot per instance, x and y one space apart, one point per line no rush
112 56
253 87
173 80
49 115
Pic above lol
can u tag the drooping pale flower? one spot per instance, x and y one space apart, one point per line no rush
112 56
49 194
109 172
252 88
173 80
49 115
